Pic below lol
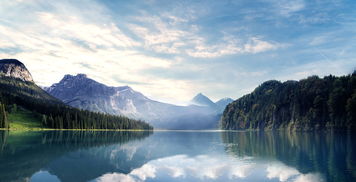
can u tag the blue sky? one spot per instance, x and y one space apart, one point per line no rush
172 50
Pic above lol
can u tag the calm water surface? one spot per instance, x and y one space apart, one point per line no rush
176 156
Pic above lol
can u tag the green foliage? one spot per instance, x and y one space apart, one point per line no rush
54 113
309 104
24 119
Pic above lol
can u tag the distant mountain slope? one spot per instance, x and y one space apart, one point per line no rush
18 88
309 104
84 93
222 103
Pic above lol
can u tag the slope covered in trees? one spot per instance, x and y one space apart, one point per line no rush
54 113
309 104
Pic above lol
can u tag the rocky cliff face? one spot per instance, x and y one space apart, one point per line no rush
14 68
84 93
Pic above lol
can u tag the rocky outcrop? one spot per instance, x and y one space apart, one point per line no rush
15 69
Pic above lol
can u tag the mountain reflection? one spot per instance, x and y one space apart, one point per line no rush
176 156
24 153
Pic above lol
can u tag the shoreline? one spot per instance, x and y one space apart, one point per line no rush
51 129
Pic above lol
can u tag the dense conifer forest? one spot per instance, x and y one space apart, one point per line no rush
15 92
309 104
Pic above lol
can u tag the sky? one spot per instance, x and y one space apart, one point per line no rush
172 50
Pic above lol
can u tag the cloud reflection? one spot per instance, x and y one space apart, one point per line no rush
211 168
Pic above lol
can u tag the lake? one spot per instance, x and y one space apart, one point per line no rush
76 156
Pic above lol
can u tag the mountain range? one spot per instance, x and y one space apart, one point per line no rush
19 94
85 93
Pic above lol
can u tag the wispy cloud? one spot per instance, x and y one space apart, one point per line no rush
168 37
230 46
221 48
287 7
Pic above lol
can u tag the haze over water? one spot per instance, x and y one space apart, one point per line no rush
176 156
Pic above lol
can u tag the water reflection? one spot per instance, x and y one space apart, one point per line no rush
211 168
23 154
331 154
176 156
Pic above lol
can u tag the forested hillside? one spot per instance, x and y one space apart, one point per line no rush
309 104
15 92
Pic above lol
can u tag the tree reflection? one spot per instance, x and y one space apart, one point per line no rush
331 154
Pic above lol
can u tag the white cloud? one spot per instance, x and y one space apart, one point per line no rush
231 46
182 37
321 68
56 43
117 47
287 7
73 27
158 35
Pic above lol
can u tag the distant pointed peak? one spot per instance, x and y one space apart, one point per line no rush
202 100
200 95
